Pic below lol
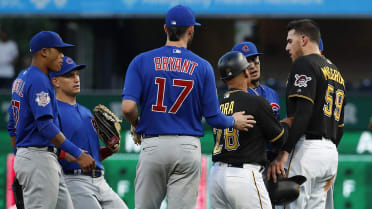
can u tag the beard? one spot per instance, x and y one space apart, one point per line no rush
255 81
190 40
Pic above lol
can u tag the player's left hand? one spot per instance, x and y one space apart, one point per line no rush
277 166
288 120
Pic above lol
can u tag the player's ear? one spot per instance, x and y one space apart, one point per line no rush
55 82
165 28
44 52
304 40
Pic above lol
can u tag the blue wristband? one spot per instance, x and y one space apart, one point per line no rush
14 151
71 148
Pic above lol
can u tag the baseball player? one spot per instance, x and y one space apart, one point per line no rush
87 189
250 51
315 99
174 88
239 156
34 123
252 55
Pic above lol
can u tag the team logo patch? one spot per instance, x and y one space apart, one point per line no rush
69 61
275 107
301 80
245 48
42 99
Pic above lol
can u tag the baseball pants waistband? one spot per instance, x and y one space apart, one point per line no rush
95 173
51 149
259 168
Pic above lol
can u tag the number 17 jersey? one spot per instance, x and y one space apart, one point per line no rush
174 88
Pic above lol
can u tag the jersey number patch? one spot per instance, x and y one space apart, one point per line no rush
338 100
187 85
16 105
230 136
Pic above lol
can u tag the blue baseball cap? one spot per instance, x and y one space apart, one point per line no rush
321 45
247 48
180 16
67 66
47 39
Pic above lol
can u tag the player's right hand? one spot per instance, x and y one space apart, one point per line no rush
86 162
243 122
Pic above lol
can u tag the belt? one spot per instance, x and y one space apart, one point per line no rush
241 165
313 137
95 173
145 136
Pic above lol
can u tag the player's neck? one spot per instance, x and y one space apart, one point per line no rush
180 43
313 49
66 99
39 64
254 84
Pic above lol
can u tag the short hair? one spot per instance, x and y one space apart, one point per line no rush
176 33
305 27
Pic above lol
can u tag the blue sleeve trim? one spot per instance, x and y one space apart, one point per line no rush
130 98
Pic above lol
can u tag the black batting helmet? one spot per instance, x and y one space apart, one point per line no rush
232 64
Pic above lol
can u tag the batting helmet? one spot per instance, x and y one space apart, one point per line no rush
232 64
285 190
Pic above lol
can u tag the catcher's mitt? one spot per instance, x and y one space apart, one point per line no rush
285 190
108 127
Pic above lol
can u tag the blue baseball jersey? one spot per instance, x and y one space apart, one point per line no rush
174 88
270 95
33 97
77 125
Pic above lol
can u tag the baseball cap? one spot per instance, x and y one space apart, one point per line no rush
67 66
47 39
321 45
247 48
180 16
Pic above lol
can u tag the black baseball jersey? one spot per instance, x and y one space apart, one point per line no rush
234 146
316 79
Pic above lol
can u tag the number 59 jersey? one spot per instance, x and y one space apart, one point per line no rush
174 88
316 79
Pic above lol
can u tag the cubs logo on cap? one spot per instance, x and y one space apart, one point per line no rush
67 66
247 48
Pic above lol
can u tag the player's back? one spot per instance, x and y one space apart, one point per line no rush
177 89
32 98
234 146
328 96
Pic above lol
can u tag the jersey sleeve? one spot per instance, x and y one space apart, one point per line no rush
11 122
210 104
132 84
302 81
39 96
270 125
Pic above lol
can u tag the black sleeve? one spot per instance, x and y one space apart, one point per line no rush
274 132
302 80
301 120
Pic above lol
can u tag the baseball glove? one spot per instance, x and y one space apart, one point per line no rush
136 137
285 190
108 127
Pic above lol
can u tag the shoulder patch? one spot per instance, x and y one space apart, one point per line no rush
42 99
301 80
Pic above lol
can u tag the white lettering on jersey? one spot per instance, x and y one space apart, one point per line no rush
173 64
301 80
42 99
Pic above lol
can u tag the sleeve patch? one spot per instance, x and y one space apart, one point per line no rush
42 99
301 80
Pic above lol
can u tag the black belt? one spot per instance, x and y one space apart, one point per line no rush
145 136
241 165
313 137
95 173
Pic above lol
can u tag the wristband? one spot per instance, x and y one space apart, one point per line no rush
62 155
14 151
71 148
